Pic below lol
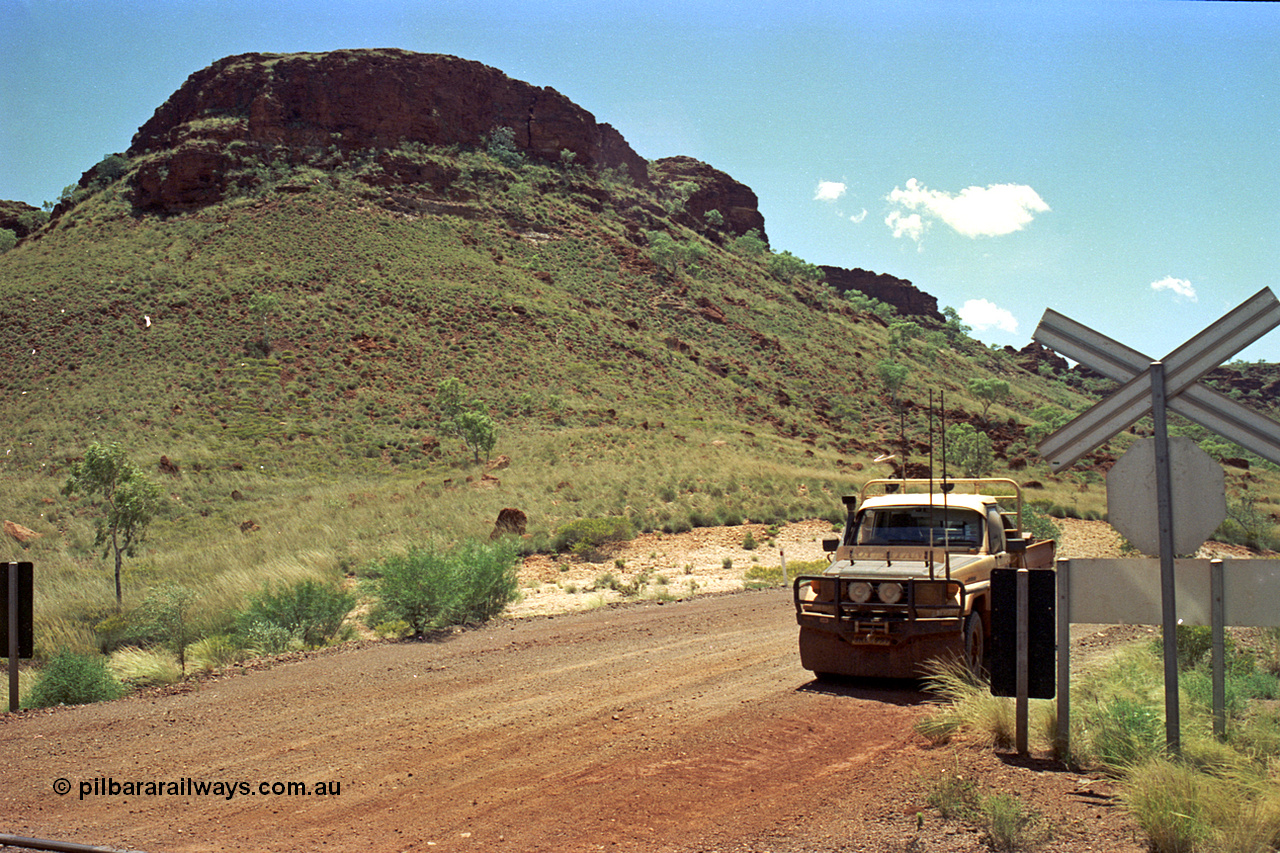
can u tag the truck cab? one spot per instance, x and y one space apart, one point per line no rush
910 576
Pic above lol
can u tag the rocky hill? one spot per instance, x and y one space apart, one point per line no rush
210 138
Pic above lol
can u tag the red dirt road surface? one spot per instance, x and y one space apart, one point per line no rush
678 727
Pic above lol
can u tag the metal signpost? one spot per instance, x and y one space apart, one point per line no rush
16 619
1152 387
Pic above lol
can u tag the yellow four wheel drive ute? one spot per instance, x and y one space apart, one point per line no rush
910 578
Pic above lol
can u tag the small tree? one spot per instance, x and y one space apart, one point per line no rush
969 450
902 331
664 251
451 400
955 327
262 306
989 391
463 417
893 376
477 431
501 146
127 500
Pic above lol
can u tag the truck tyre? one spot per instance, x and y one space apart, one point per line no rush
975 646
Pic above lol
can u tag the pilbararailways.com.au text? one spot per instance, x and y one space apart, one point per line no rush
107 786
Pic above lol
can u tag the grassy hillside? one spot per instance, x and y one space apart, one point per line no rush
633 367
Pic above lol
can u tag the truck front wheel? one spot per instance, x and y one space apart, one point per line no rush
975 647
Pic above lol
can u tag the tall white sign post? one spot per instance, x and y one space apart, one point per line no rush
1153 387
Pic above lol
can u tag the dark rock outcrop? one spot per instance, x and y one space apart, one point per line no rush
20 217
1033 355
347 101
898 292
709 189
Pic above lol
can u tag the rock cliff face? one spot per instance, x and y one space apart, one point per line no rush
352 100
898 292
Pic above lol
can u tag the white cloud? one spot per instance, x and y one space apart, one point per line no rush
990 211
857 218
982 315
829 191
1179 287
905 226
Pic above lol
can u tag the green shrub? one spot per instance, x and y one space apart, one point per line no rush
166 615
762 577
750 245
73 679
1039 524
264 638
428 588
310 611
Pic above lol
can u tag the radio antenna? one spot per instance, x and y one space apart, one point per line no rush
946 532
933 521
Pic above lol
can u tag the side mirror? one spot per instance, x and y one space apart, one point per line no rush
830 545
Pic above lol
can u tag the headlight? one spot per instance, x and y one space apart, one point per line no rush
860 592
935 593
823 590
890 593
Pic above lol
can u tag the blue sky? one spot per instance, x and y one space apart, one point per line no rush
1118 162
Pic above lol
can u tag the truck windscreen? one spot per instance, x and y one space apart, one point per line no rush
923 525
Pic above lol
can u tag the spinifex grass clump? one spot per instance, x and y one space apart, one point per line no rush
969 708
144 667
430 588
585 536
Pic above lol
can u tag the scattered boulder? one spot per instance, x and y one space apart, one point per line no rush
24 535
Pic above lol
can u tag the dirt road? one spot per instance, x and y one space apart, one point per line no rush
678 727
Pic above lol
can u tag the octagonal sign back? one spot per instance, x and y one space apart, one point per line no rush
1199 495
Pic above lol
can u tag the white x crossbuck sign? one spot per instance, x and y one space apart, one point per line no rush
1183 369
